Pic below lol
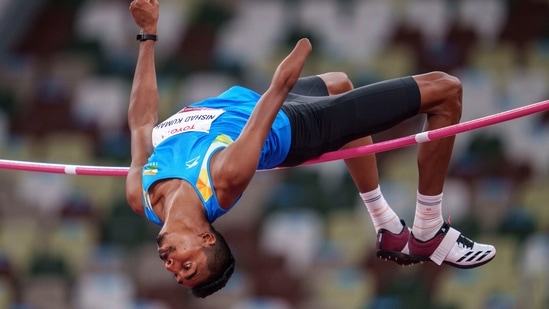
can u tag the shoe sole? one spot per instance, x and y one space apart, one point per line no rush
469 266
404 259
400 258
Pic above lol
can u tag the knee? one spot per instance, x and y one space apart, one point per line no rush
447 91
454 92
337 82
449 86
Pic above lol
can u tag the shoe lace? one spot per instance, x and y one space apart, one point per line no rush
465 242
462 240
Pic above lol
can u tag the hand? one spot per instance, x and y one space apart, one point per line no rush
290 68
145 14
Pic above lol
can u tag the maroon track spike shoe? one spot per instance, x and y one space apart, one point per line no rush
394 247
449 246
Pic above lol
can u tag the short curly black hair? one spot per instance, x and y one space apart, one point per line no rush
221 265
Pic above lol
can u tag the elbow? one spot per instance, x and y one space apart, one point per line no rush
285 80
135 203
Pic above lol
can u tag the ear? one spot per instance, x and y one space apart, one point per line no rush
208 238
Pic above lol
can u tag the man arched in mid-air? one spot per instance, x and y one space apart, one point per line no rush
193 167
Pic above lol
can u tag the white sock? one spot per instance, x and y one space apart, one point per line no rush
381 213
428 218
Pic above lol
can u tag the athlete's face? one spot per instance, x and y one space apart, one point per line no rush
183 255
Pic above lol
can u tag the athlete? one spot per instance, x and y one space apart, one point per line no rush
193 167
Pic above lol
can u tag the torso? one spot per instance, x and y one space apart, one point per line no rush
161 192
187 146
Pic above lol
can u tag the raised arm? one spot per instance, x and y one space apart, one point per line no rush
143 108
258 126
235 166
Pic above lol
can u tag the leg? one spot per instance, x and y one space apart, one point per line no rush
432 239
364 172
441 96
363 169
441 101
393 235
323 122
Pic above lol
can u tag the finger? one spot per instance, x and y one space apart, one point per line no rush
304 43
302 48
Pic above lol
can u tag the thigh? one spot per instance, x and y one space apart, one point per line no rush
322 124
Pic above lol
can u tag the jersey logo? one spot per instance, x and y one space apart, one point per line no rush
150 169
192 162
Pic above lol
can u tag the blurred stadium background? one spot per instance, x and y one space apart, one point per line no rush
301 236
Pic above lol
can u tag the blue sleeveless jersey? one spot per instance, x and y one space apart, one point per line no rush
185 143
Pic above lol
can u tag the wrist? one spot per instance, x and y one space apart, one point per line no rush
149 29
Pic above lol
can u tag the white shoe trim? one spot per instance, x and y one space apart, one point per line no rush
405 250
445 246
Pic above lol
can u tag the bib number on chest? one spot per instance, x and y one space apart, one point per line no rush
189 119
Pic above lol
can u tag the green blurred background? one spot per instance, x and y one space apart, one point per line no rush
301 236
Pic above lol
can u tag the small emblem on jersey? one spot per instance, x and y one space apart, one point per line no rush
194 108
192 162
150 169
225 139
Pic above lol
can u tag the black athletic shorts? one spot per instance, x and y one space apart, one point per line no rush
321 123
